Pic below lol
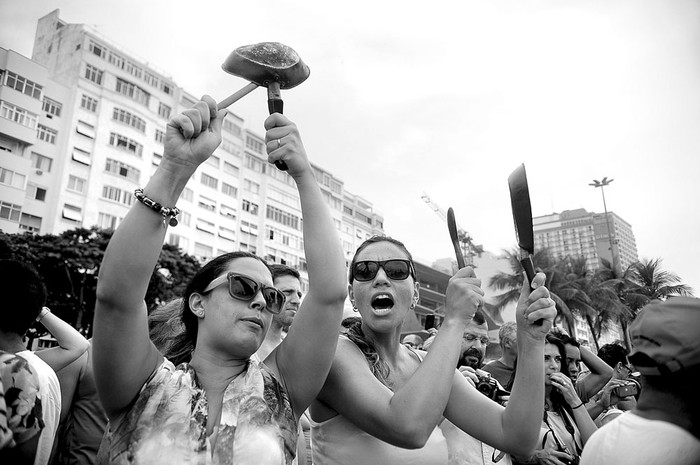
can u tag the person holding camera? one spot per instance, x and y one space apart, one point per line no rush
619 394
462 448
664 427
566 425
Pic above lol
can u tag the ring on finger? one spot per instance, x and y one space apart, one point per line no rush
279 143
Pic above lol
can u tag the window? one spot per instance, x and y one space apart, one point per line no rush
81 156
134 69
209 181
151 79
226 233
18 115
250 207
229 190
230 169
178 241
116 60
205 226
35 192
89 103
72 213
76 184
85 129
12 178
187 194
206 203
46 134
107 221
185 218
213 160
251 186
254 144
160 136
166 87
254 164
233 128
230 147
164 110
10 211
283 198
41 162
202 251
22 84
51 107
129 119
122 169
227 211
132 91
30 223
283 217
93 74
157 158
126 144
97 49
117 195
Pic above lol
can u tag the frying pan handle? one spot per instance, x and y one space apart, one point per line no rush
530 274
275 104
529 268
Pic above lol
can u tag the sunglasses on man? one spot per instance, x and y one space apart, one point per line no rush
241 287
396 269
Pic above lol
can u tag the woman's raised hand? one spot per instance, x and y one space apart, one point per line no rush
283 142
564 384
193 135
464 295
535 311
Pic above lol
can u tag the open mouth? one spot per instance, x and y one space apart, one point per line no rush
382 303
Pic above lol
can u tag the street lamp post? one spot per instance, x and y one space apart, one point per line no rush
615 259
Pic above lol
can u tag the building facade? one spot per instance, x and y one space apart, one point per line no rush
82 125
579 233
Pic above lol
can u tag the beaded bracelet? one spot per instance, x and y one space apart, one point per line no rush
169 214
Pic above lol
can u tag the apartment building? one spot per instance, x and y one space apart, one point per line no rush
579 233
82 125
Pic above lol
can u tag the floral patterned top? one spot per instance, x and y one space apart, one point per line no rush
20 405
167 422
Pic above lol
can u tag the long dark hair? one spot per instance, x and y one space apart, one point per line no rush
558 402
184 343
379 368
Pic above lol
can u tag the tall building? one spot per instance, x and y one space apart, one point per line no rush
82 125
578 233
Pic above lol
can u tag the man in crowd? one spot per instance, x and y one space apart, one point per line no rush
599 373
413 341
287 280
664 427
23 297
502 369
610 401
462 448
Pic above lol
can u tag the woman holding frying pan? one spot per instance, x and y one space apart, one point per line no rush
382 401
219 405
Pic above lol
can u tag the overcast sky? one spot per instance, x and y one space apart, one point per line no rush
448 97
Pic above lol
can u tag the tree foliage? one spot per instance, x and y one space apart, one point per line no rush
69 264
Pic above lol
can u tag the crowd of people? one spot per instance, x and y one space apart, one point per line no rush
243 368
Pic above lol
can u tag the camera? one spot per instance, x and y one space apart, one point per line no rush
574 460
630 388
487 385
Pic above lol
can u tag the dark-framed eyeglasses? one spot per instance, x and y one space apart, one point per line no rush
244 288
473 337
396 269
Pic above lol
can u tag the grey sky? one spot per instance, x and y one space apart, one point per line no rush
448 97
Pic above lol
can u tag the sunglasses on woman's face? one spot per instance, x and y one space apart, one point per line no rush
244 288
396 269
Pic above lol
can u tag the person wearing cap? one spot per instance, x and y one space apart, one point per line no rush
664 427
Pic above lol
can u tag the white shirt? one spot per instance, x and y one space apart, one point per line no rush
463 449
50 395
632 440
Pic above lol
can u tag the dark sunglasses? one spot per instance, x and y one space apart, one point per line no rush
397 269
244 288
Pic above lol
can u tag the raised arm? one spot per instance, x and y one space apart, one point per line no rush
514 429
407 416
124 356
71 344
583 420
304 357
599 376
